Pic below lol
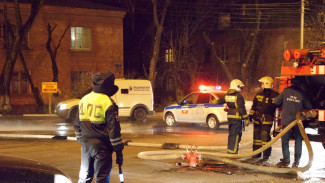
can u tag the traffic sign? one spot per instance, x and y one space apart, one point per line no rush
49 87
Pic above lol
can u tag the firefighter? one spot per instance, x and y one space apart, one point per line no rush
236 114
262 114
293 100
98 130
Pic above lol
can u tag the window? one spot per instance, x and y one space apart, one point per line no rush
170 87
224 21
313 44
19 84
6 39
2 35
191 99
80 38
80 82
169 55
204 98
223 53
124 91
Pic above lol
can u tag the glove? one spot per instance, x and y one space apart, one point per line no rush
246 122
250 118
119 157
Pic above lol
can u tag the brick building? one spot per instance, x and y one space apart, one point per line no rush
94 42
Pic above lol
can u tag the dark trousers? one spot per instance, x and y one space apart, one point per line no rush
262 136
234 135
96 159
298 143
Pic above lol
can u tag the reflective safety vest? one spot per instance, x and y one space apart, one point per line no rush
93 106
92 110
98 118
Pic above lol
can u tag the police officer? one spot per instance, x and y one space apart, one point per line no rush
98 130
293 100
236 113
262 115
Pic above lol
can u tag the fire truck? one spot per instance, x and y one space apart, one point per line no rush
307 65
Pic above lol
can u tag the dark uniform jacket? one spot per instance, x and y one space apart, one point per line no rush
264 106
292 100
98 118
236 104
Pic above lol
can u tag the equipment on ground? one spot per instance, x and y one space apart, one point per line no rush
191 157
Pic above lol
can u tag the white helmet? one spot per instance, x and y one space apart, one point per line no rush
267 81
236 84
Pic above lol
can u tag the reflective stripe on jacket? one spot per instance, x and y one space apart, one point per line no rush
236 104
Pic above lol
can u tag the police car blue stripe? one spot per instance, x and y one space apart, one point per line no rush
193 106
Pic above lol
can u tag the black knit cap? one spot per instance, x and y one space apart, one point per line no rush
103 82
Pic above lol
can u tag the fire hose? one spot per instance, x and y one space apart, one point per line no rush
222 157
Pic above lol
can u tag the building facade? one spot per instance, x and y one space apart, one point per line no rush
92 43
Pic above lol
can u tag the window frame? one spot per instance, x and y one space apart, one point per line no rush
20 80
83 41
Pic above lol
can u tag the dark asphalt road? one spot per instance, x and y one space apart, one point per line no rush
65 154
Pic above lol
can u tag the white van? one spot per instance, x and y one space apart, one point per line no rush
134 99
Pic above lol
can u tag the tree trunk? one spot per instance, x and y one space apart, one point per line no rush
20 31
159 29
215 56
153 61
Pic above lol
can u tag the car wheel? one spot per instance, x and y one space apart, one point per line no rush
213 122
72 115
170 119
139 114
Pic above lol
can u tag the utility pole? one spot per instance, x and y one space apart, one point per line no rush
302 24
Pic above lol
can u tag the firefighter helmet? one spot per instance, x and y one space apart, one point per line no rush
236 84
267 81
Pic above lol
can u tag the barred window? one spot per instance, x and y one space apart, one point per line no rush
80 82
19 84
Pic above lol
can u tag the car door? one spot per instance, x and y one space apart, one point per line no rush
218 109
184 112
200 110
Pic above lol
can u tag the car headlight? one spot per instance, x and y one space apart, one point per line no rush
58 178
62 107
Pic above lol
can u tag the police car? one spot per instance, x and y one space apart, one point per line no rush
200 107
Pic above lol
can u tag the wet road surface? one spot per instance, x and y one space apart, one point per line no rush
153 131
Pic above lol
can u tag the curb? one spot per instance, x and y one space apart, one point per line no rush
36 136
31 115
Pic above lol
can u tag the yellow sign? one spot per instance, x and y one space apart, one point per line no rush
49 87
